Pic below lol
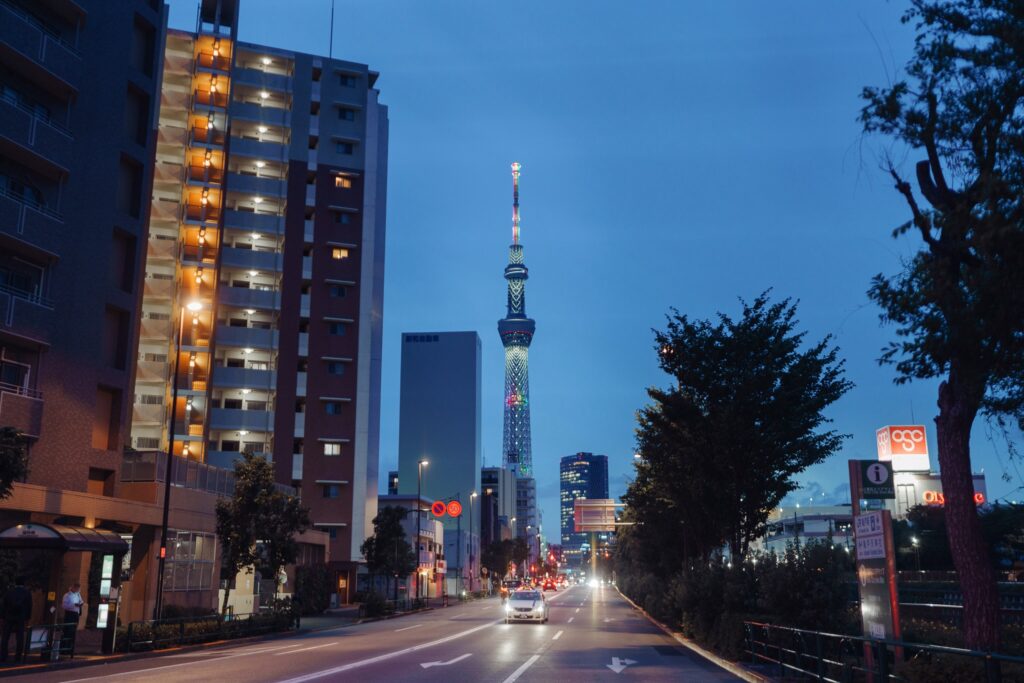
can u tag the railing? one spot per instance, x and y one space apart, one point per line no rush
36 114
31 297
30 203
164 633
7 388
212 61
838 658
32 21
205 174
209 98
209 136
200 212
150 466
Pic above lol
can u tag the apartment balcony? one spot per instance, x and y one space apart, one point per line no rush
155 329
171 136
254 222
241 297
24 313
250 111
249 259
161 249
207 98
203 255
151 466
205 175
246 337
164 172
201 213
208 60
21 408
258 78
259 149
230 419
224 377
30 222
59 62
151 371
47 138
212 137
153 288
250 184
148 413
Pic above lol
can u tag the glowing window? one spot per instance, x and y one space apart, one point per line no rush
343 182
339 253
332 449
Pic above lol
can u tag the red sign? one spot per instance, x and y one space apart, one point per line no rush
438 508
937 498
454 508
906 446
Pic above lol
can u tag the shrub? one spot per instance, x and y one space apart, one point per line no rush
375 605
313 585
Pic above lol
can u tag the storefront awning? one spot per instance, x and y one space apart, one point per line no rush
62 537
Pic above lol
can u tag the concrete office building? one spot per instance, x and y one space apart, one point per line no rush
582 475
79 92
264 268
497 504
439 421
432 568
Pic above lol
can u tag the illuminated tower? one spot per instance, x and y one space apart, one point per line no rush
516 332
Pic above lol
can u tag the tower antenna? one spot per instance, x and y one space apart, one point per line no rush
515 202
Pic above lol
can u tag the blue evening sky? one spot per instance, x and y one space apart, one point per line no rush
674 154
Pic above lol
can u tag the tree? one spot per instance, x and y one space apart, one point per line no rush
258 524
13 459
388 551
719 451
958 304
495 557
520 552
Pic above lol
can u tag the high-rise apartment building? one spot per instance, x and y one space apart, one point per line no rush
261 310
582 475
439 422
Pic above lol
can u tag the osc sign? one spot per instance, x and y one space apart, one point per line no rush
905 446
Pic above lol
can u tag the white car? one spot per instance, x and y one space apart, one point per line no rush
526 605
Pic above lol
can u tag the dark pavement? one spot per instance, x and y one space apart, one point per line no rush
593 635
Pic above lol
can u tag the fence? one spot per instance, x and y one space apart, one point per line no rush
837 658
164 633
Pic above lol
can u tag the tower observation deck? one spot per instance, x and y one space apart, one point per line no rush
516 332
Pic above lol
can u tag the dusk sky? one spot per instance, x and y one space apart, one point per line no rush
674 154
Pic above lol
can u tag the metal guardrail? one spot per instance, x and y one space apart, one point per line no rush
7 388
837 658
163 633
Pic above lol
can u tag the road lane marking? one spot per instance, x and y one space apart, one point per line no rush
387 655
137 672
619 665
570 620
408 627
312 647
519 672
427 665
558 635
577 610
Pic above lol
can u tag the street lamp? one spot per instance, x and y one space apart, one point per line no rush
917 551
194 307
472 495
419 530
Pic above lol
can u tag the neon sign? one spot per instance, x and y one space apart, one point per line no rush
937 498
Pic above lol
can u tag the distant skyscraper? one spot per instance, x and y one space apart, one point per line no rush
583 475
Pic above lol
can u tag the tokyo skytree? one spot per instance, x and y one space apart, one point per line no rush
516 332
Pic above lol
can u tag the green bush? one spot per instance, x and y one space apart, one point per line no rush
376 605
313 586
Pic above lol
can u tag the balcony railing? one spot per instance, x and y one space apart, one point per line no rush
208 98
208 136
8 388
37 114
151 466
30 203
198 254
31 297
206 174
201 212
211 61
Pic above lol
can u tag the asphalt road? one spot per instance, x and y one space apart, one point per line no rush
592 635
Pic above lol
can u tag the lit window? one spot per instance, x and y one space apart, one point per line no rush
343 182
332 449
339 253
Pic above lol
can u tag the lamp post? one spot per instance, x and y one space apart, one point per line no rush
513 531
419 524
917 551
194 307
472 495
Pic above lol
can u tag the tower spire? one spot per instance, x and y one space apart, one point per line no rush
515 202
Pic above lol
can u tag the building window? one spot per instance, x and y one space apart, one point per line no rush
190 558
339 253
333 532
333 407
336 329
336 368
345 147
346 80
332 449
342 217
337 292
347 114
343 182
233 403
331 490
232 446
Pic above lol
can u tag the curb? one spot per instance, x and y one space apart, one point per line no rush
732 667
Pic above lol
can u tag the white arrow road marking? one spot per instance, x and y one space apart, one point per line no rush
427 665
619 665
408 627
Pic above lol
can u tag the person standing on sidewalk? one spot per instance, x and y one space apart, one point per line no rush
72 605
16 610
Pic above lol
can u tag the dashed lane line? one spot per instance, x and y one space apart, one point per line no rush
558 635
521 670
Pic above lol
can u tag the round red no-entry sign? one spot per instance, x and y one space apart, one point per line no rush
454 508
438 508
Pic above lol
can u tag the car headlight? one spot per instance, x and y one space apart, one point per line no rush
508 608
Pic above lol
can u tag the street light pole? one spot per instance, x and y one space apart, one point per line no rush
472 495
168 473
419 525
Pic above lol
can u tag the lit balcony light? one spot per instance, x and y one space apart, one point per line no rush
250 311
257 200
260 164
264 94
262 129
202 240
246 391
194 305
256 236
266 61
243 433
247 351
254 273
195 320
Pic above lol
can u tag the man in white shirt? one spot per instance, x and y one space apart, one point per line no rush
72 605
